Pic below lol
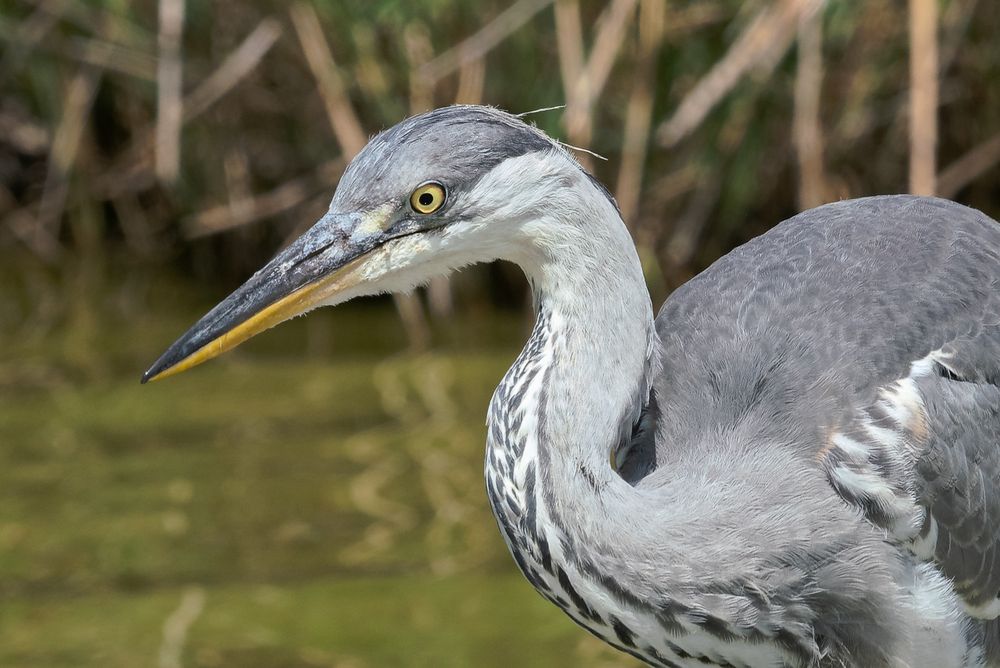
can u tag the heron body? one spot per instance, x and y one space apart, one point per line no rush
796 463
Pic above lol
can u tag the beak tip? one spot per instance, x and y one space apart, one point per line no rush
156 371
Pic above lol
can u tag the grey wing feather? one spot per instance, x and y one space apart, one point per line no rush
799 335
957 475
818 314
958 472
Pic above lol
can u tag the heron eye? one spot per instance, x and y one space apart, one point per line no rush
427 198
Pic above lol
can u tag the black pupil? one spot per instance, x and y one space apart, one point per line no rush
426 199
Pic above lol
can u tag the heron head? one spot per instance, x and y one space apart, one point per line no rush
438 191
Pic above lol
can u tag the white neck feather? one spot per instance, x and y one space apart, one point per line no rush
593 342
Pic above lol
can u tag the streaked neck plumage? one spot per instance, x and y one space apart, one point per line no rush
571 399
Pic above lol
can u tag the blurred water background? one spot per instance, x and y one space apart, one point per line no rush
315 498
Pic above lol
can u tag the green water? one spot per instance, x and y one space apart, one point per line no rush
314 499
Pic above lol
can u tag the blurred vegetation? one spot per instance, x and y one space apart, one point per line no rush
324 505
259 158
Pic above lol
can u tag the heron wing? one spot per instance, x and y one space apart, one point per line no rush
865 336
957 474
923 459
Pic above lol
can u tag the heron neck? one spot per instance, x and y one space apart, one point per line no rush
598 326
578 387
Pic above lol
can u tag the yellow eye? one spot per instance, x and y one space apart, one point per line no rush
427 198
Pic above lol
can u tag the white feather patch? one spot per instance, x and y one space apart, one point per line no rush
989 610
923 546
925 365
902 401
855 450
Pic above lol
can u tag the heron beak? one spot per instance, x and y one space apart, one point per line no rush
317 268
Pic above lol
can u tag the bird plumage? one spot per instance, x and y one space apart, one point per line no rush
795 463
860 339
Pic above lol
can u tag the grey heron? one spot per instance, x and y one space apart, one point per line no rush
795 463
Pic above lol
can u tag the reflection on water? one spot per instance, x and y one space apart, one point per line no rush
268 509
